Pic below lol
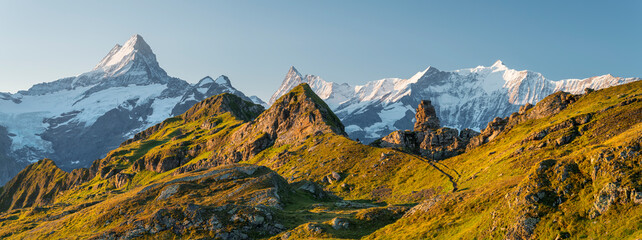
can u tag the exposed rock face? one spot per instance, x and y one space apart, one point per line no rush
613 166
38 184
428 139
426 117
489 133
294 117
442 143
247 209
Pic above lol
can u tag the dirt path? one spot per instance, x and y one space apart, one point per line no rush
450 177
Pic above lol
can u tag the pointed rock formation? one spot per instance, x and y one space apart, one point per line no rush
428 139
292 118
426 117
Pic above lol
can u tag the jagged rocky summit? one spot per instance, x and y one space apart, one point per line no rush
76 120
466 98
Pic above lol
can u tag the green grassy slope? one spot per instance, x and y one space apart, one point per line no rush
517 188
579 179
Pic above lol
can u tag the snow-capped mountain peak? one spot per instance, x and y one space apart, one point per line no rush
291 80
334 94
223 80
121 58
465 98
499 66
293 72
75 120
205 80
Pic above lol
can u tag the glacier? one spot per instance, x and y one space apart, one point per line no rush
464 98
76 120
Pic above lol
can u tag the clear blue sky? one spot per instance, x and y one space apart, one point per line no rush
255 42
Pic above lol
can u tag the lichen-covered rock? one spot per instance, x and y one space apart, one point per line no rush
551 105
401 140
613 166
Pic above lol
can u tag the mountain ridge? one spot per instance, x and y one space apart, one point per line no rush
465 98
78 119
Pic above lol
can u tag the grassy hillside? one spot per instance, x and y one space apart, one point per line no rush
227 167
580 180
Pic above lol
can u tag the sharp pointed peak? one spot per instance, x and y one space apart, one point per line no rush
120 56
136 42
223 80
499 65
302 96
423 73
293 70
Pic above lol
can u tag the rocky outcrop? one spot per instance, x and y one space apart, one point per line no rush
610 173
241 201
428 139
549 184
489 133
426 117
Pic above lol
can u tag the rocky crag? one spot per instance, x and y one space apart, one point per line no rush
429 139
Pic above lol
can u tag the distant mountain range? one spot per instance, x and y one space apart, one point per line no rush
76 120
466 98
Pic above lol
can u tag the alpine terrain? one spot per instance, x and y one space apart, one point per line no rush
76 120
466 98
227 168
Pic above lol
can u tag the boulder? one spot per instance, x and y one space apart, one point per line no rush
339 223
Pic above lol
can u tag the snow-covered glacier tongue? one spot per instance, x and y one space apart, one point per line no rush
76 120
465 98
